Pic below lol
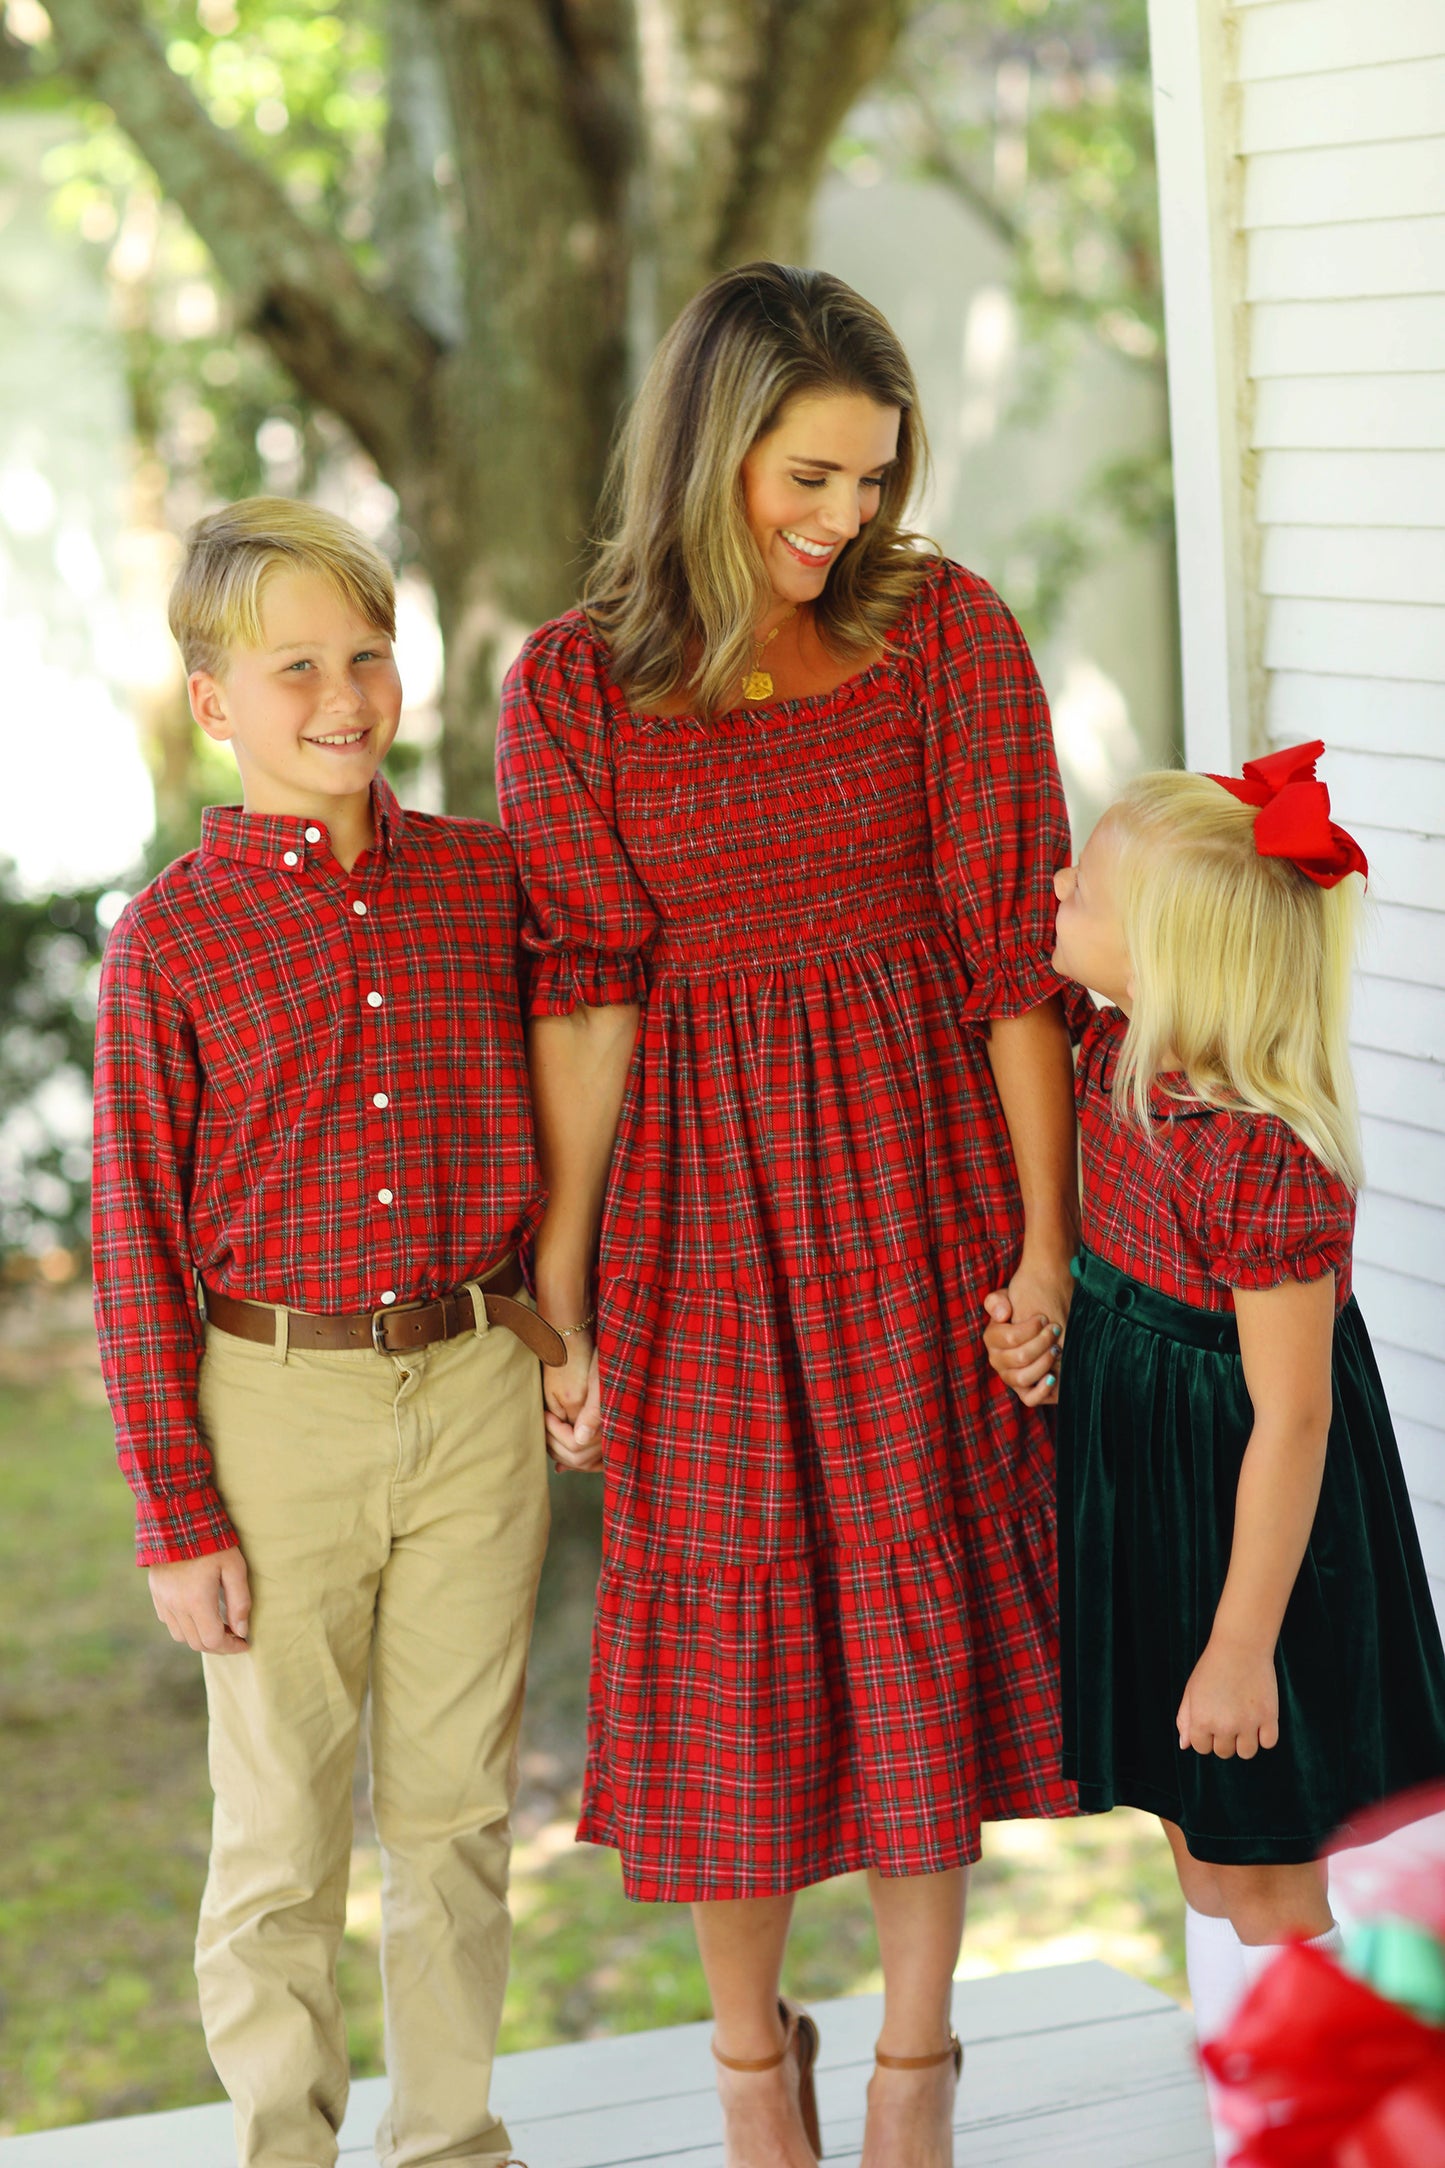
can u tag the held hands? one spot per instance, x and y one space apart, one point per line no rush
205 1602
1024 1335
573 1407
1231 1704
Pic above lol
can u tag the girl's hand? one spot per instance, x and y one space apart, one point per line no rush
573 1407
1231 1704
1025 1332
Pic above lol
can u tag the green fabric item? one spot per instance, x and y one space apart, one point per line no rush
1154 1419
1401 1961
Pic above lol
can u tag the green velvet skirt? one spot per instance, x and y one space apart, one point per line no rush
1154 1419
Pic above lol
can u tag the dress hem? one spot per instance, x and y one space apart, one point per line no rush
653 1888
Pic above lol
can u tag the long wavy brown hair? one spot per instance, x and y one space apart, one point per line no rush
677 574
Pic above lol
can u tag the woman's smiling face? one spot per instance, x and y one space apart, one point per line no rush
812 482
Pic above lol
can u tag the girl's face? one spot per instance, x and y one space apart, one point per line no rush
811 483
1088 939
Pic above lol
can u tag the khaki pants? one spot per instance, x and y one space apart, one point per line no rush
392 1510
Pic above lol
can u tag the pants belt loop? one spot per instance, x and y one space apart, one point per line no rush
283 1335
479 1309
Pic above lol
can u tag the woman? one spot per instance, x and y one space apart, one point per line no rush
786 812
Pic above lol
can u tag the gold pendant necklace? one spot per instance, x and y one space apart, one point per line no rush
758 683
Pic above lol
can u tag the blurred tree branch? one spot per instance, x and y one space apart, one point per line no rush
556 177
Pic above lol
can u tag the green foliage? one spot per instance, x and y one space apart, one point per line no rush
49 954
1039 114
302 87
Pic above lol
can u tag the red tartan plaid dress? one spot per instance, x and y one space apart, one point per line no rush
826 1621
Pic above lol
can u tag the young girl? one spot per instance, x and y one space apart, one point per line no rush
1249 1649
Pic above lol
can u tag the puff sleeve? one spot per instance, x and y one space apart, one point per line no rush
587 922
996 805
1274 1212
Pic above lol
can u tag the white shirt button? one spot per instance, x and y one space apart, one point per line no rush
290 858
385 1196
358 907
313 835
379 1099
373 1000
388 1294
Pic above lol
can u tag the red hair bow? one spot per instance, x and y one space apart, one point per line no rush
1294 814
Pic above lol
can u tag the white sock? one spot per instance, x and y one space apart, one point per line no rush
1214 1960
1258 1955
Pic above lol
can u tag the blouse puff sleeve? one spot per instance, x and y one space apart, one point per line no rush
996 805
1273 1212
587 922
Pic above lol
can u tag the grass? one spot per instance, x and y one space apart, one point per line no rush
105 1809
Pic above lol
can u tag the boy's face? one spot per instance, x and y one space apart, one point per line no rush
311 710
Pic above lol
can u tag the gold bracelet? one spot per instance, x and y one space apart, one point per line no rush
570 1332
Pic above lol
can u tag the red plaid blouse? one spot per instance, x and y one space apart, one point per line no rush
1212 1201
311 1089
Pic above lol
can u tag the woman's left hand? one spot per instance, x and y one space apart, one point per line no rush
1025 1332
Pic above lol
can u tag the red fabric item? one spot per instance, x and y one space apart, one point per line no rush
1210 1201
1309 2058
239 1062
1406 2130
826 1630
1294 818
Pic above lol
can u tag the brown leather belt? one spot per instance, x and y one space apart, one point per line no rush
399 1327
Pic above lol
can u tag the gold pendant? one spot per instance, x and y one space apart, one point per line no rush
758 685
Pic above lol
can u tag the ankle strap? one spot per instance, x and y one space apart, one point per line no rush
953 2053
762 2062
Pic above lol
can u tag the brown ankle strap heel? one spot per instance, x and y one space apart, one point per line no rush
800 2039
952 2053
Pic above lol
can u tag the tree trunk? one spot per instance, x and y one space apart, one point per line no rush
550 165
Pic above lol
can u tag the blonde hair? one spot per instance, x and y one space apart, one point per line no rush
679 568
1241 966
229 556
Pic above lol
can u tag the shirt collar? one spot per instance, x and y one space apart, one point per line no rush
286 842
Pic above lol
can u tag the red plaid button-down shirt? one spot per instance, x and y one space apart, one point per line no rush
311 1089
1209 1202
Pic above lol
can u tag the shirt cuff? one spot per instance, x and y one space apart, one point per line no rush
172 1525
566 979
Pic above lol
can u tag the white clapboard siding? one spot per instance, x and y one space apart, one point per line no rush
1364 105
1312 224
1367 413
1351 489
1389 1228
1403 1162
1395 640
1391 1017
1405 794
1302 37
1339 186
1422 1455
1356 714
1414 1384
1340 263
1404 868
1369 564
1401 1088
1401 332
1405 944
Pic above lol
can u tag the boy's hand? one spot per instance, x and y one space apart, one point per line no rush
205 1602
1231 1704
574 1407
1024 1354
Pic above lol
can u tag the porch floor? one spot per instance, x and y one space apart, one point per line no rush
1073 2066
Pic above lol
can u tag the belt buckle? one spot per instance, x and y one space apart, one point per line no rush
378 1323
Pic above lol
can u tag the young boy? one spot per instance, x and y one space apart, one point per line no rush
314 1166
